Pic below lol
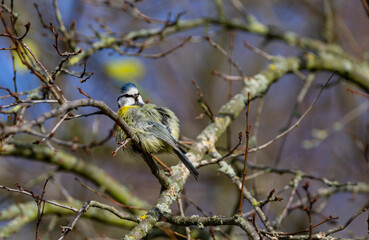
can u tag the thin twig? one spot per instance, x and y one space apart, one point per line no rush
154 56
230 50
363 209
313 226
246 153
83 93
300 97
225 53
294 184
121 145
258 51
309 208
180 206
226 77
366 7
107 197
28 193
297 122
52 132
354 91
230 152
329 21
40 208
203 103
321 134
40 16
161 163
252 220
96 204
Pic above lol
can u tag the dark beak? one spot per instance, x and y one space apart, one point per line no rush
136 98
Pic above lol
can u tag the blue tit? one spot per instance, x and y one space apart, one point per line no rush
157 128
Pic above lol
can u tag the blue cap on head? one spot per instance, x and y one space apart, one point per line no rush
127 86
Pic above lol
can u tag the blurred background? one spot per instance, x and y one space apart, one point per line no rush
167 81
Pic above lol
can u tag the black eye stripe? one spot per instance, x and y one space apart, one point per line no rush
125 95
128 96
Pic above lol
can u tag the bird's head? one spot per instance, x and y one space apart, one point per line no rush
129 96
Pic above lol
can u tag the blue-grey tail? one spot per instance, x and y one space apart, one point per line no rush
187 163
162 133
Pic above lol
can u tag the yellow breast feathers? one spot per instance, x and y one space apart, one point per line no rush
123 110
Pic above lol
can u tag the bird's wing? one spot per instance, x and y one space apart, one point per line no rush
162 133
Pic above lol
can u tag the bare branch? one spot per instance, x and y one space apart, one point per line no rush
297 122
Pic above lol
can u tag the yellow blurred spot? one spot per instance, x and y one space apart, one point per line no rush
125 70
74 60
16 108
273 67
107 41
35 50
309 56
256 203
143 217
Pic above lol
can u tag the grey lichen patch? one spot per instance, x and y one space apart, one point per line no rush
347 65
192 156
261 80
200 225
217 128
295 182
322 235
331 183
210 134
172 193
22 209
282 66
258 83
105 42
234 106
199 148
146 229
217 219
290 38
34 94
257 27
168 198
328 57
164 208
226 169
194 217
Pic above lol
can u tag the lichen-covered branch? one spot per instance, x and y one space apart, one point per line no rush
71 106
256 86
71 163
20 214
253 26
315 55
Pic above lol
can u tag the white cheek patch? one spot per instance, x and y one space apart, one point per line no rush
123 101
132 91
140 100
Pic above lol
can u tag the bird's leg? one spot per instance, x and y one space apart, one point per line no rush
161 163
121 145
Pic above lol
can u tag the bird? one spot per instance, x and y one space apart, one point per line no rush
156 127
